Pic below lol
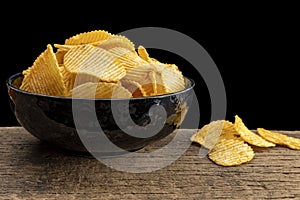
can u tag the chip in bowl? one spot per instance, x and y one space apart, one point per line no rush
100 59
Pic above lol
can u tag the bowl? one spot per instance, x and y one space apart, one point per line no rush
85 125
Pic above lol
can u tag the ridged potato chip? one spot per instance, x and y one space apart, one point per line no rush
249 136
211 133
92 60
152 76
72 79
134 87
116 41
159 65
229 144
88 37
68 78
100 90
231 152
98 56
279 138
172 80
128 58
44 76
208 135
144 54
64 47
158 86
139 74
121 47
59 54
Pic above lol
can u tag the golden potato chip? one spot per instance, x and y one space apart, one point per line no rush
68 78
100 90
210 133
144 54
159 66
280 139
231 152
139 74
88 37
152 76
87 59
172 80
116 41
161 89
59 54
148 87
99 56
149 83
134 87
123 49
157 84
64 47
128 58
172 66
72 79
44 76
249 136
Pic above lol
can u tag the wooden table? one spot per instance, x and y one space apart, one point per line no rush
30 169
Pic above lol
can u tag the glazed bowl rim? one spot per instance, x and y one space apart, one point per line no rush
11 78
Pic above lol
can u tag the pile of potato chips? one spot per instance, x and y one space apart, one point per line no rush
98 64
230 144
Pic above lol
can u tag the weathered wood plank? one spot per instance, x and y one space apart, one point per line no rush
30 169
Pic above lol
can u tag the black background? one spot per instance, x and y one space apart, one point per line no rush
256 49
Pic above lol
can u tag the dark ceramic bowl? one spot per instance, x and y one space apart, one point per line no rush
51 119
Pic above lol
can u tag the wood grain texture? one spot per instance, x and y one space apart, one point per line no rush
30 169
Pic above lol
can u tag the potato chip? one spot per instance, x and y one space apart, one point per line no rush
144 54
72 79
123 49
152 84
116 41
139 74
100 90
148 87
128 58
44 76
172 66
152 77
134 87
231 152
59 54
280 139
64 47
88 59
88 37
68 78
249 136
172 80
210 133
159 66
101 57
161 89
157 84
